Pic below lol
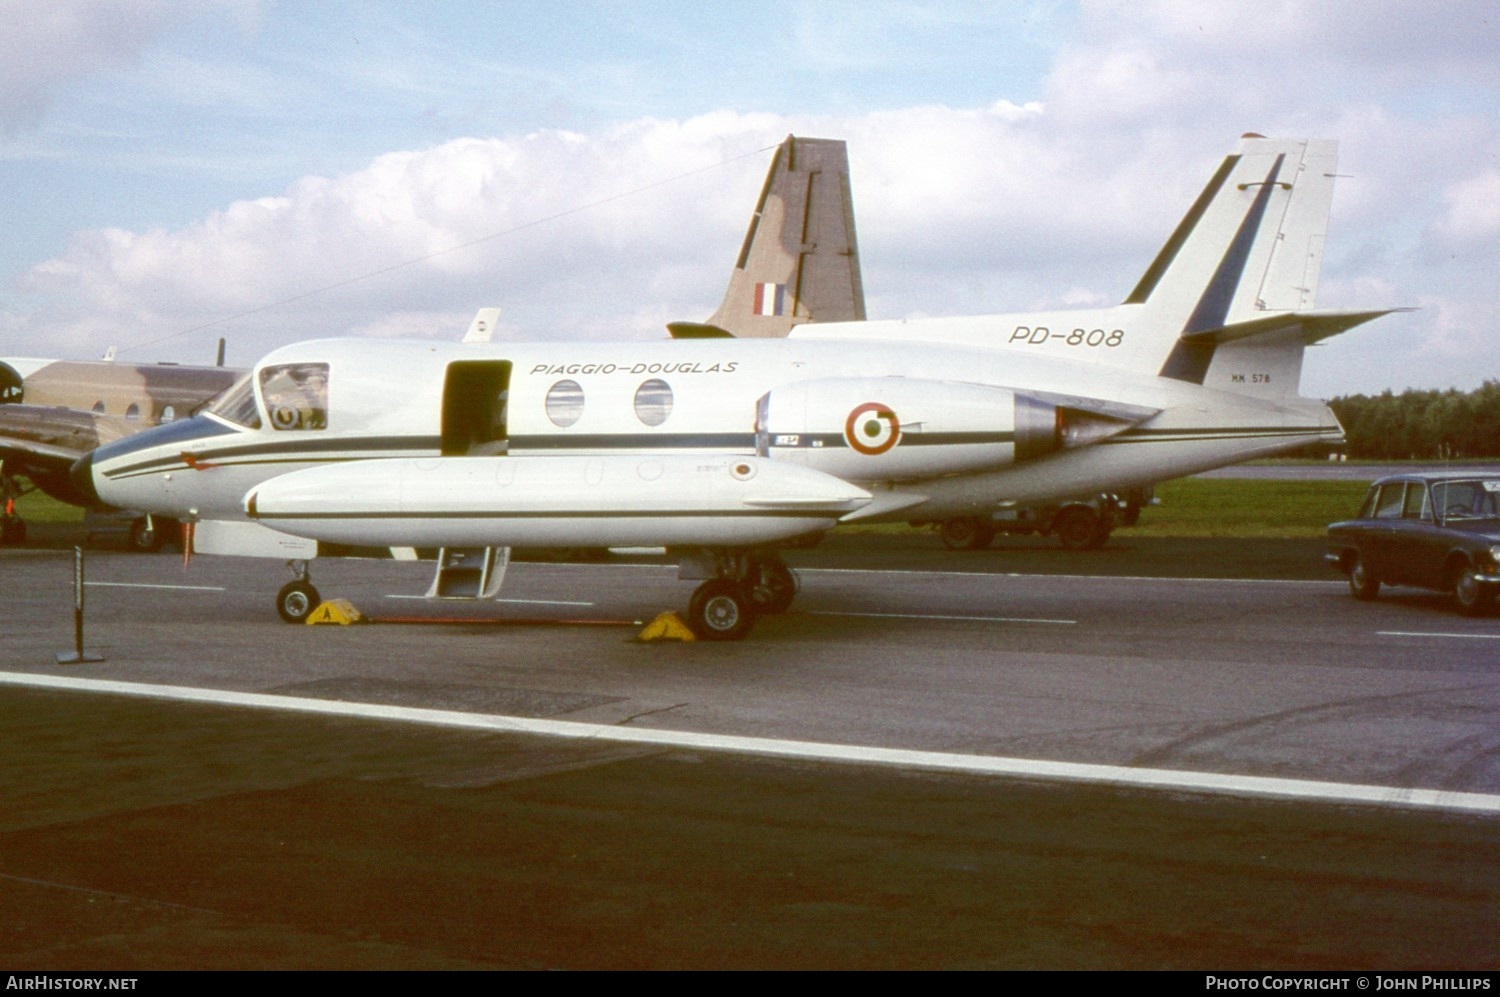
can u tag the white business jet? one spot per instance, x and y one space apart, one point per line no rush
720 448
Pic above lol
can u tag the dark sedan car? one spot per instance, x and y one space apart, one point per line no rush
1431 531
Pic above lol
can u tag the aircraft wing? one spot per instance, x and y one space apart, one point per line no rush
42 442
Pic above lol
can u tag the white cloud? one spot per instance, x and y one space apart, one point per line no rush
1473 208
589 236
997 205
47 45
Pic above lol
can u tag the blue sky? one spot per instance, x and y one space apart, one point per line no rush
179 170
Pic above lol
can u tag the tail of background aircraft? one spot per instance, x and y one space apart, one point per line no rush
799 262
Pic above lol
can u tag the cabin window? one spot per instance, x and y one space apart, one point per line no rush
565 403
132 412
296 395
237 404
168 413
653 402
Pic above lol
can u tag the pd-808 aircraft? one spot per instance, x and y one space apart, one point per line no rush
720 448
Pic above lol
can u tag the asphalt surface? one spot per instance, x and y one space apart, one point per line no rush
154 833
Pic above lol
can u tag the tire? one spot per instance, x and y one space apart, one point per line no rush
966 533
1469 596
144 538
721 610
1080 528
773 586
13 531
1364 585
296 601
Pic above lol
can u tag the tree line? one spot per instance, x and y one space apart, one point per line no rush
1422 425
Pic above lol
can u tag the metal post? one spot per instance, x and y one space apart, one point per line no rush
79 655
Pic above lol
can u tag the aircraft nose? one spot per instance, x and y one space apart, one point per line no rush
81 477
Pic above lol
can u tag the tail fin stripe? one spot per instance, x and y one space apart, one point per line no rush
1190 358
1163 261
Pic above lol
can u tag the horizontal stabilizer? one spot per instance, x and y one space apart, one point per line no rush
1304 327
697 330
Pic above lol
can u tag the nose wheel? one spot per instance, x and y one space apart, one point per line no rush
297 598
296 601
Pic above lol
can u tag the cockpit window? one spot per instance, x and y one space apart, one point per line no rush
237 404
296 395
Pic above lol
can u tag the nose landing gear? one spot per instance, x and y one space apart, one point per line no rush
297 598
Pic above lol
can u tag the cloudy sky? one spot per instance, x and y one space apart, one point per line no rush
179 170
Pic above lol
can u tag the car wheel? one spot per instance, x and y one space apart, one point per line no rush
1080 528
1363 584
296 601
966 533
1471 597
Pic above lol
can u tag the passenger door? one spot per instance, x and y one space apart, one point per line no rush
476 401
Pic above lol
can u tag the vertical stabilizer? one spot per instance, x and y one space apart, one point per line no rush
799 262
1251 246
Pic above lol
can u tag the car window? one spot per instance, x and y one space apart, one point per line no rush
1467 499
1388 505
1367 509
1417 506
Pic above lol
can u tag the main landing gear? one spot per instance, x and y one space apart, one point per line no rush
742 587
297 598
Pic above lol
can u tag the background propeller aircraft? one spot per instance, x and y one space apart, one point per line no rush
52 412
719 448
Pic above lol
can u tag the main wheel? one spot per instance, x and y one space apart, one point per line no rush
1363 583
721 610
143 536
966 533
296 601
13 531
1471 598
773 586
1080 528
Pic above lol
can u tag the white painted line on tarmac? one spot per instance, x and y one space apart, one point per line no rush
939 616
1419 633
143 585
1114 775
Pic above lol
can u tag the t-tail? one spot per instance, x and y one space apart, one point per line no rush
1231 295
799 261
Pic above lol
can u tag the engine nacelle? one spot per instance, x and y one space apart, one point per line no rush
895 428
901 429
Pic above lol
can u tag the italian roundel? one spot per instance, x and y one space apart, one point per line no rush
872 428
